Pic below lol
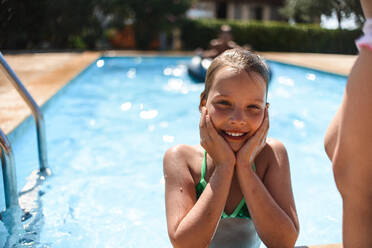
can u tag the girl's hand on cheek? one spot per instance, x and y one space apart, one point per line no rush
213 143
254 145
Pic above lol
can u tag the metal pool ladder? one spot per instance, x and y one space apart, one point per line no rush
9 173
7 158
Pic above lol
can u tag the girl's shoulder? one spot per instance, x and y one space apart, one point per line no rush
274 154
184 157
183 152
273 149
276 146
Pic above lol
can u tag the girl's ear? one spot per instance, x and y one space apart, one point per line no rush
202 104
203 101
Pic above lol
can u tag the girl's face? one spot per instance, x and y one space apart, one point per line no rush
236 104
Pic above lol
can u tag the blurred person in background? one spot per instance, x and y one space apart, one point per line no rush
221 44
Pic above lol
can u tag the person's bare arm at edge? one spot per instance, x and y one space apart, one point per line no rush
330 139
192 223
348 143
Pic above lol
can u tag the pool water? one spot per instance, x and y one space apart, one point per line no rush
108 129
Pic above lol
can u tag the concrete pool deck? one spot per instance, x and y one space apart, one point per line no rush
334 63
43 74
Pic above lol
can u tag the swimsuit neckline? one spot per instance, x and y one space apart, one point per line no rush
238 212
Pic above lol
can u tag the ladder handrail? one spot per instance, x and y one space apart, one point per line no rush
36 112
9 172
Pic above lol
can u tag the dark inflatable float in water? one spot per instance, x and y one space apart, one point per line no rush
198 68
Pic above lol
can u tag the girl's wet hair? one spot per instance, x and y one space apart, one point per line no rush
239 59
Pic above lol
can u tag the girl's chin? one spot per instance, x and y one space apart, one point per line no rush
235 142
235 146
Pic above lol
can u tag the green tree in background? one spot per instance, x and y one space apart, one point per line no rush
149 17
114 12
303 11
26 24
356 9
48 24
309 11
154 16
71 22
21 23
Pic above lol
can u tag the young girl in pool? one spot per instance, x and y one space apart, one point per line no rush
233 189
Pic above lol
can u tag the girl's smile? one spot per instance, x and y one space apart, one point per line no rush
236 104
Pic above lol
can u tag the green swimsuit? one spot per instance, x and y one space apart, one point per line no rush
241 210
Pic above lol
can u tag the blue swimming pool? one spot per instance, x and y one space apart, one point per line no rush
108 129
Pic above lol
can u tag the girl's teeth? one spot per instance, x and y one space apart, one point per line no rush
235 134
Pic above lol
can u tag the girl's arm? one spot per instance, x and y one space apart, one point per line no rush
270 201
192 223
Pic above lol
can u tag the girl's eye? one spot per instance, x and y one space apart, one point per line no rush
254 107
225 103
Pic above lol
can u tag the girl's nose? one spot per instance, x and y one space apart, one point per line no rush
238 118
